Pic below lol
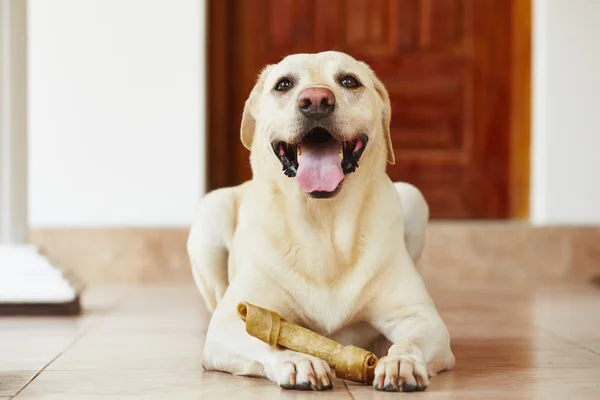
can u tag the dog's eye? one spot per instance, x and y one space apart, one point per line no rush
349 81
283 85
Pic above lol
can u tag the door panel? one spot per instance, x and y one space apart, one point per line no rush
445 63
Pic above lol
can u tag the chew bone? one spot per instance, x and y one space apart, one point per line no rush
348 362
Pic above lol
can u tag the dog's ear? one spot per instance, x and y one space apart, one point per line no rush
386 118
387 115
251 108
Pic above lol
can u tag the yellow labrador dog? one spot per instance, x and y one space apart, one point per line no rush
320 234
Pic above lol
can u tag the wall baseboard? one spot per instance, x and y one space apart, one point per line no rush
118 255
510 251
454 252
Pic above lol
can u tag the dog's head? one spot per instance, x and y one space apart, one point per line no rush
320 117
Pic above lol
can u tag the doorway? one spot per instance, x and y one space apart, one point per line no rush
458 73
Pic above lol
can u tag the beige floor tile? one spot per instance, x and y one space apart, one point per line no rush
12 381
482 383
57 327
168 384
184 297
22 353
591 344
515 356
136 351
258 394
175 322
145 342
91 397
98 299
112 382
535 340
477 377
30 343
572 315
158 309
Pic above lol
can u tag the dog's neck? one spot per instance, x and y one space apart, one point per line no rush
335 221
332 223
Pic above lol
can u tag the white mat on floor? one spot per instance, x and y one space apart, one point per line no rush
28 277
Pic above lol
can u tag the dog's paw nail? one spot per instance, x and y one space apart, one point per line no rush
409 387
304 386
390 388
325 381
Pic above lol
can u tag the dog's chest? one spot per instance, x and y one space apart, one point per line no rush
325 268
328 292
327 310
324 255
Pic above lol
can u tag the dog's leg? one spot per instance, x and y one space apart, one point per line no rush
209 242
229 348
416 215
406 315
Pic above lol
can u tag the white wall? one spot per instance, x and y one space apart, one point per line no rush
566 112
116 123
116 112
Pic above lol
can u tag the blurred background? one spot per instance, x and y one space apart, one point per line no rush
120 128
133 112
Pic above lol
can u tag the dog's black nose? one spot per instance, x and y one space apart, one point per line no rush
316 102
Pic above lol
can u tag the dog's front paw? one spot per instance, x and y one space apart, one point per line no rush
400 373
302 372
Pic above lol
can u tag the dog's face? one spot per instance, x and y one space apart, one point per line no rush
321 115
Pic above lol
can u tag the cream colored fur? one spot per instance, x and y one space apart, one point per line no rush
343 267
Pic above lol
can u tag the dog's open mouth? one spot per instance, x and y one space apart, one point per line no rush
319 162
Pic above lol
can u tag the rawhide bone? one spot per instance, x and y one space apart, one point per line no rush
348 362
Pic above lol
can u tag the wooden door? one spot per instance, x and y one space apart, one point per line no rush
448 65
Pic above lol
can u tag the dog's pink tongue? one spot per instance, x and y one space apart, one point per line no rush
319 167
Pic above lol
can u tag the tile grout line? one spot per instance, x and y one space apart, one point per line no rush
348 390
50 362
569 341
77 339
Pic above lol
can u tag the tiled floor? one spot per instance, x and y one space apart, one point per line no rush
145 342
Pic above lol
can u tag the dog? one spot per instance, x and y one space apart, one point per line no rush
320 235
